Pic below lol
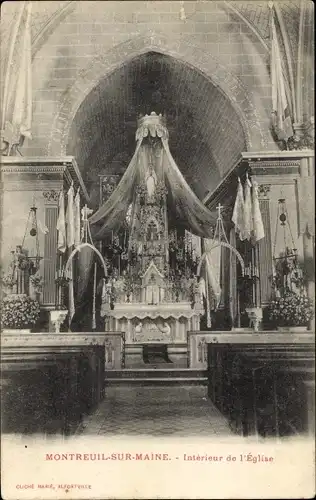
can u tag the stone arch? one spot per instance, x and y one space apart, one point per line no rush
102 65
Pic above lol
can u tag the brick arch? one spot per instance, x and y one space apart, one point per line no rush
249 111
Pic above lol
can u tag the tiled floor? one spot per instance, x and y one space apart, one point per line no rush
155 411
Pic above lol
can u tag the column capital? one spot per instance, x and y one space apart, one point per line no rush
264 190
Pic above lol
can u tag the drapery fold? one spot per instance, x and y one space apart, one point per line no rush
113 211
190 211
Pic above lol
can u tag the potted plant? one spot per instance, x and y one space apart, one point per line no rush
19 312
291 310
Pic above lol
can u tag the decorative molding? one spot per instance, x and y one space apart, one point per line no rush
275 168
43 167
29 168
275 178
274 163
13 184
265 337
276 155
263 190
51 196
53 340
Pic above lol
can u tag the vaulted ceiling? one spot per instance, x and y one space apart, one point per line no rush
206 136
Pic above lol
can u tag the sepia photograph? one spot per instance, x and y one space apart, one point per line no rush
157 281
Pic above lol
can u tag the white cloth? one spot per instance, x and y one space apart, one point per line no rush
213 276
17 98
77 221
202 288
61 224
248 221
192 213
238 216
70 218
282 120
258 229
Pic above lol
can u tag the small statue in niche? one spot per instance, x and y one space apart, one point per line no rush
152 291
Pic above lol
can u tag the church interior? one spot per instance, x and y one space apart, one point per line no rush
158 244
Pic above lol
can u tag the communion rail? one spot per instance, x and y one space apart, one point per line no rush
50 381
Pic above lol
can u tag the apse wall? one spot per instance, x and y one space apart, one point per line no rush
196 113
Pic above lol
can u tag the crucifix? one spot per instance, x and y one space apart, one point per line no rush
219 232
85 212
219 209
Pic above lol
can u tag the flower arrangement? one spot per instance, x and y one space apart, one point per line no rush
291 309
8 280
37 282
19 311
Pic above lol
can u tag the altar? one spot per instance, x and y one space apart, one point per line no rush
152 248
143 323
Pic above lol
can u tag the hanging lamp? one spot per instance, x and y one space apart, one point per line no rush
31 262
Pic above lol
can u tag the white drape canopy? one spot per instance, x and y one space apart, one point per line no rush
190 211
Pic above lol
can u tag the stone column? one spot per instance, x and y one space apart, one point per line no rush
265 247
307 171
50 247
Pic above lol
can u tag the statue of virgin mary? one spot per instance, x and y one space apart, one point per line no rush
151 182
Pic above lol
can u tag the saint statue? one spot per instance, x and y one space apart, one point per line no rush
151 183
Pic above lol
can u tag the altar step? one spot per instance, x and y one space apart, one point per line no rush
156 376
